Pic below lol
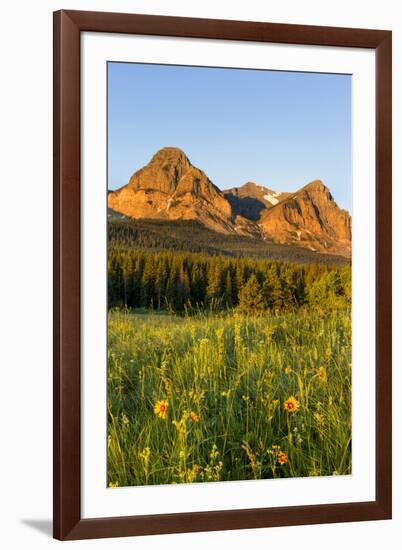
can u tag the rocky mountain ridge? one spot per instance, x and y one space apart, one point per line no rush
169 187
251 199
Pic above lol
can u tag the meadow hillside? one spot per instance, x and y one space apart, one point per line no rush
228 396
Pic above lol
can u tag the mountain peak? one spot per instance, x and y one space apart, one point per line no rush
163 172
318 191
310 218
252 185
251 189
172 155
170 187
251 199
316 186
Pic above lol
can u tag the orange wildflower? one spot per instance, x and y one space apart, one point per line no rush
160 408
291 404
282 458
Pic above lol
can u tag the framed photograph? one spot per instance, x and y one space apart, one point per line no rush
222 329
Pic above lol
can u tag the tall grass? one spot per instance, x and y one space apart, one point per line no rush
223 382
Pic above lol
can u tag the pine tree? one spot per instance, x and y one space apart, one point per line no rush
128 270
214 288
182 289
227 295
197 284
288 287
250 299
148 282
240 277
160 281
115 283
267 291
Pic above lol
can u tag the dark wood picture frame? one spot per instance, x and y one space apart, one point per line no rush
68 26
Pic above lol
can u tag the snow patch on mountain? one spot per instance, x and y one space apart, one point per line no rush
271 197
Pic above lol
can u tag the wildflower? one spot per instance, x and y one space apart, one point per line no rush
113 484
213 472
192 474
250 454
197 397
168 384
194 417
181 425
145 455
291 405
160 408
288 370
282 458
322 374
214 452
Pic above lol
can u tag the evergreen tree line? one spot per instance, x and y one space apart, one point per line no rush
153 234
191 236
169 280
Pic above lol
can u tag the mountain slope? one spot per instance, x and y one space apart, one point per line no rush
251 199
309 218
170 188
191 236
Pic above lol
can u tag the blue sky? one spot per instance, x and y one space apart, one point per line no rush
278 129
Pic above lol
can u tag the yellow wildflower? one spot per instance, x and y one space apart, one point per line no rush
322 374
291 404
160 408
192 474
181 425
145 454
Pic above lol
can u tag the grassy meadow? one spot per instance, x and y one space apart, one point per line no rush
228 396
